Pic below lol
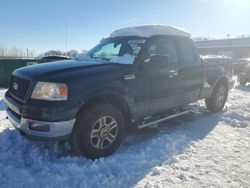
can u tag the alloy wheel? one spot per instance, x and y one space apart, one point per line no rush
104 132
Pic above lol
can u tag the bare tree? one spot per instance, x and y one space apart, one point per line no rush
14 52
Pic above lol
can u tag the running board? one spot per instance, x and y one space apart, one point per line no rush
163 119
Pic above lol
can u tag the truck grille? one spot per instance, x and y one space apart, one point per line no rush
19 87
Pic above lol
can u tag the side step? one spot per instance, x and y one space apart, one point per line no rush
163 119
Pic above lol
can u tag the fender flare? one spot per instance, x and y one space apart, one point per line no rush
219 79
124 100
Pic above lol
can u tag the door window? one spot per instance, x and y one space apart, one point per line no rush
187 52
162 47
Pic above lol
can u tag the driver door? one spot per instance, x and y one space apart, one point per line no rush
158 87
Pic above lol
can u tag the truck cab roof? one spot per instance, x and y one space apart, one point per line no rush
149 31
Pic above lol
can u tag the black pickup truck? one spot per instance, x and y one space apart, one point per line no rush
134 78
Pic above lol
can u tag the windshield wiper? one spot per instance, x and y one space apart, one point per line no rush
102 58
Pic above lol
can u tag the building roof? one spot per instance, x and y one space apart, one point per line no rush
224 43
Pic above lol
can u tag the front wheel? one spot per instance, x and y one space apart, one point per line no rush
217 100
98 131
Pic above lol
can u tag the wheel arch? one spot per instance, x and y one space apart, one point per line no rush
222 79
108 97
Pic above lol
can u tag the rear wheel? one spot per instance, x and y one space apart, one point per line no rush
98 131
217 100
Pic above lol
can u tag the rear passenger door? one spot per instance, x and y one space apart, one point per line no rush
192 68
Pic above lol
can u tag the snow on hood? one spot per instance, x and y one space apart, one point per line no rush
150 30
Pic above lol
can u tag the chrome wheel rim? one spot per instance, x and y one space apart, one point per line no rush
104 132
221 96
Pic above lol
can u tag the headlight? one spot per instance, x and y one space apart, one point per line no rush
50 91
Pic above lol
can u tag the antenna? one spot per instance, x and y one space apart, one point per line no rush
66 37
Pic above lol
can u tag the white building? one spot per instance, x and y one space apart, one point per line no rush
235 48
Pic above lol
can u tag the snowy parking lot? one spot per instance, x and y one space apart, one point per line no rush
201 150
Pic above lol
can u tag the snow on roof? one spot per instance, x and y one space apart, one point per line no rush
215 57
244 59
150 30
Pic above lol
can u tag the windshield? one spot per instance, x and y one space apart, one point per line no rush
122 50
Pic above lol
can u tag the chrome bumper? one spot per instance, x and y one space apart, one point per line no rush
55 129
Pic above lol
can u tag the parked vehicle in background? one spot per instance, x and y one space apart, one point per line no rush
55 58
240 64
244 75
136 77
218 59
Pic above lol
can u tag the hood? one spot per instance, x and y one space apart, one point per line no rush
57 67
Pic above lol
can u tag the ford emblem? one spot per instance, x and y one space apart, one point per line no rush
15 86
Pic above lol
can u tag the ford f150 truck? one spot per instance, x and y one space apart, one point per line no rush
136 77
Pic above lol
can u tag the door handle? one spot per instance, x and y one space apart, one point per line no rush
173 73
176 73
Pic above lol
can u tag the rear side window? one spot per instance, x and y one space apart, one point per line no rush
187 51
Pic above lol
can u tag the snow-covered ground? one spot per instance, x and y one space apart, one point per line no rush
202 150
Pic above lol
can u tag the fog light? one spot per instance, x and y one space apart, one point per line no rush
39 127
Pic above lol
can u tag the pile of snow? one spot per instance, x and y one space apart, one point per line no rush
150 30
203 150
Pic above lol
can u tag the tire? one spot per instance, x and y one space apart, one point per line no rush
98 131
217 100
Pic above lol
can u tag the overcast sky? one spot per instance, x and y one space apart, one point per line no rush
41 25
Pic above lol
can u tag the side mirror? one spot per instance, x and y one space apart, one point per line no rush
159 61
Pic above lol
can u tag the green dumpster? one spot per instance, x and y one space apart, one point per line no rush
3 73
7 66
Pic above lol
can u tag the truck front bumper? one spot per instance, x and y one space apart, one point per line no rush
38 130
